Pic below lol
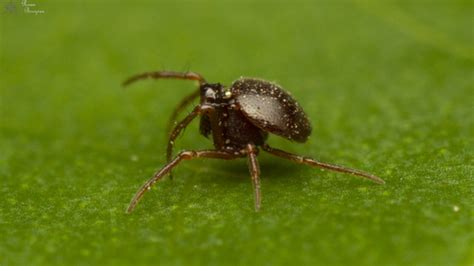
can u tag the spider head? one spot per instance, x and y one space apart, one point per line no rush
213 93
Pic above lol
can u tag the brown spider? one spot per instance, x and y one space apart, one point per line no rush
239 119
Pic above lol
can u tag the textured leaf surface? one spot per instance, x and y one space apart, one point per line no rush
388 89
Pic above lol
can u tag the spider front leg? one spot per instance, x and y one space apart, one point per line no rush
165 75
200 109
184 155
177 130
171 75
184 102
312 162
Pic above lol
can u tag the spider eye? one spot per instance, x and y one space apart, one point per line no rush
227 94
210 94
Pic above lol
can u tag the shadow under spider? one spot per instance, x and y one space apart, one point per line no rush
237 171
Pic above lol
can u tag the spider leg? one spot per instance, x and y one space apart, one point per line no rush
165 75
184 102
184 155
171 75
312 162
254 169
177 130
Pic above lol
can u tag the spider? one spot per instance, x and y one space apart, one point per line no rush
238 119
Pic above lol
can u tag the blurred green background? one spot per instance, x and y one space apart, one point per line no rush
388 87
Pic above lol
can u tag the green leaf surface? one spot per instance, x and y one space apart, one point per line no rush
388 88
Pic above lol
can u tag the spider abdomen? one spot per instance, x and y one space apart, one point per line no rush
271 108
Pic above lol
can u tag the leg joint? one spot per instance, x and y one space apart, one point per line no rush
186 155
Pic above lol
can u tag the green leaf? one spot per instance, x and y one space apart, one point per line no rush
388 89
